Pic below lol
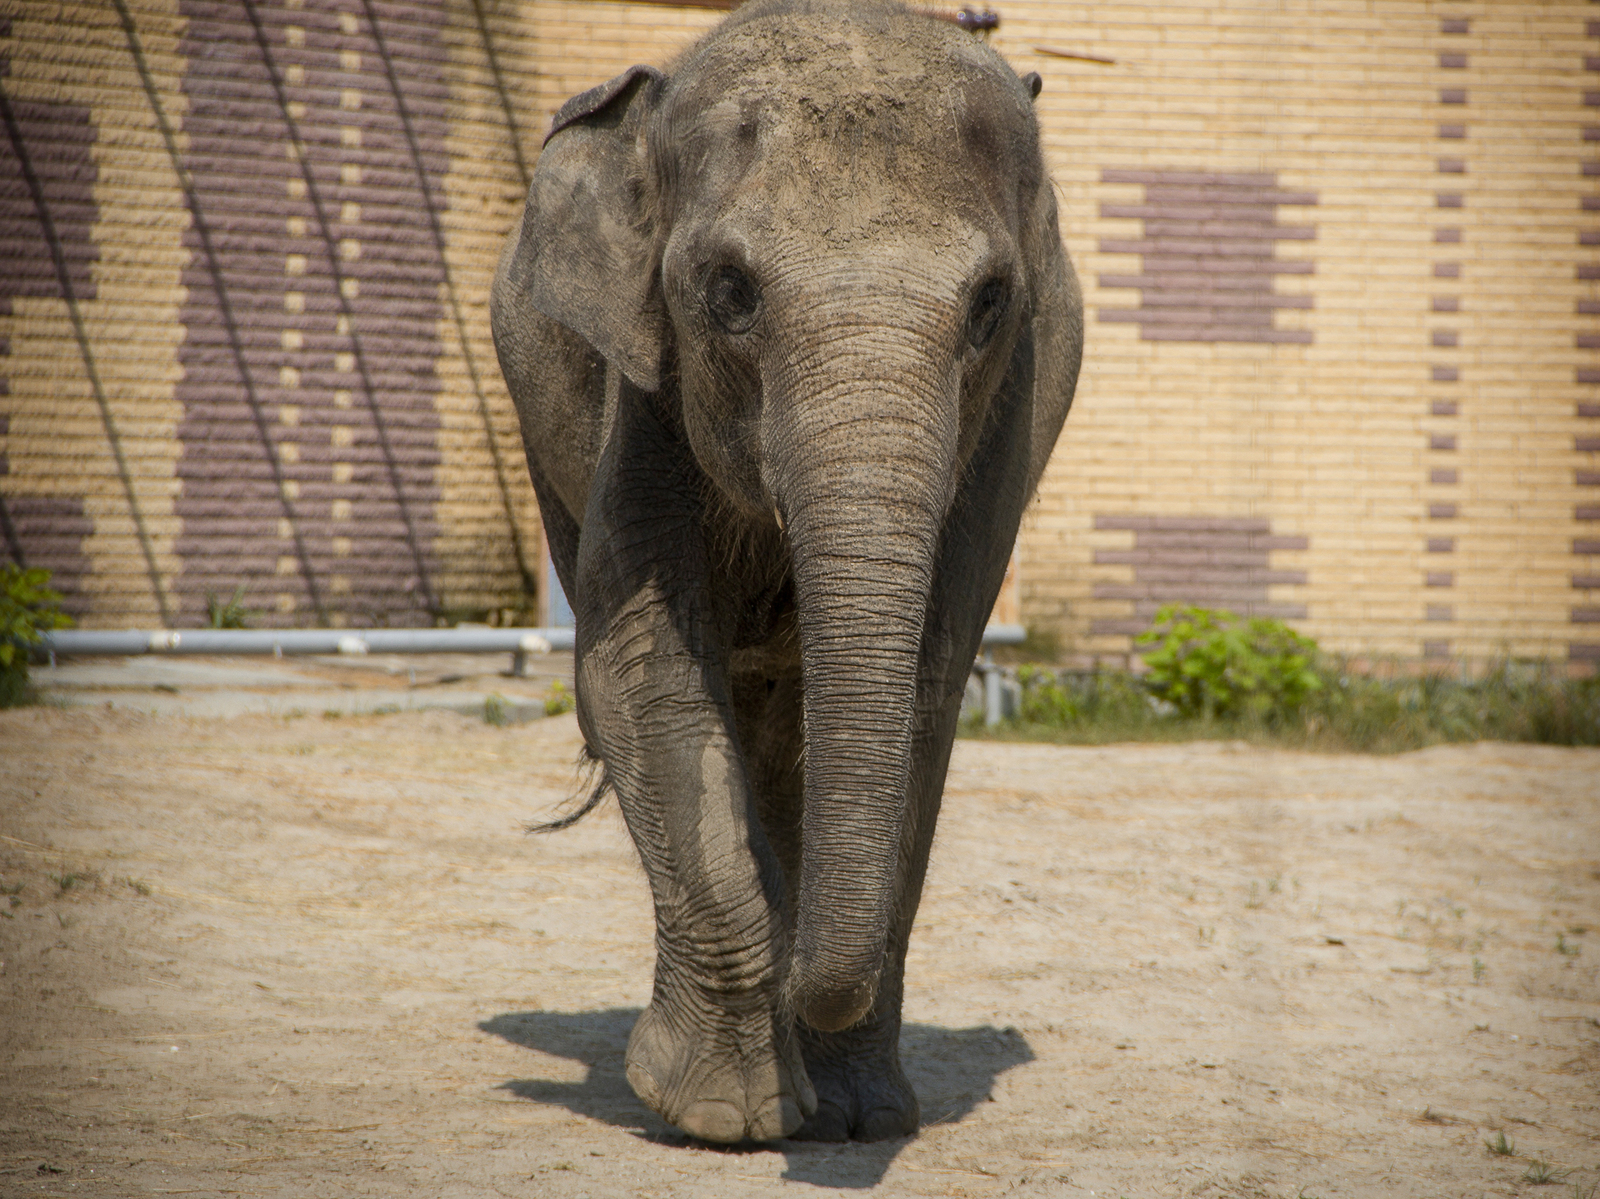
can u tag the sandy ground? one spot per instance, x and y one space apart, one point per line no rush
311 956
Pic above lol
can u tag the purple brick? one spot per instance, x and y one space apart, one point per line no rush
1447 270
1586 616
1441 511
1452 166
1443 408
1435 649
1586 445
235 132
1445 374
1446 338
1447 236
1587 478
1448 200
1583 652
1586 582
1452 95
1442 441
1441 545
1439 612
1440 578
1453 24
1208 256
1443 476
1452 61
1446 304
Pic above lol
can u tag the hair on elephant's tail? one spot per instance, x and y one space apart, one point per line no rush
595 779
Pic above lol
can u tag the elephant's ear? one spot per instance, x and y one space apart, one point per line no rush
585 257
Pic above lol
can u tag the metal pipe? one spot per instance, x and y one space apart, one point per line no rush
279 642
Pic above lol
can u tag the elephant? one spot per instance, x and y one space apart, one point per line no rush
791 334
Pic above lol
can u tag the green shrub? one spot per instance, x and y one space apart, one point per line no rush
1210 663
559 699
28 608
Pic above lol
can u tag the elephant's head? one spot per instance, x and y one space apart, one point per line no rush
829 250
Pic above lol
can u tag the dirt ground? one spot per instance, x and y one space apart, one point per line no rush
305 956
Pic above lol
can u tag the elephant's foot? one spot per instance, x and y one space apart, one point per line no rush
723 1079
862 1094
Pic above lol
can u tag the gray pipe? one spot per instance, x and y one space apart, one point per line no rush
345 641
280 642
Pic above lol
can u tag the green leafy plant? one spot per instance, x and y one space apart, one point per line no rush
1211 663
228 614
28 609
559 699
1501 1145
496 710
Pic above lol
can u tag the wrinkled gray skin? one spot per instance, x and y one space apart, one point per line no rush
792 334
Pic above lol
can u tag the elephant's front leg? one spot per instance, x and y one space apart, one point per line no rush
710 1053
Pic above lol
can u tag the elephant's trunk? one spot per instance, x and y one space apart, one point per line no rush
862 473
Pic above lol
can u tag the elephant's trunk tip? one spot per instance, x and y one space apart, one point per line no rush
828 1004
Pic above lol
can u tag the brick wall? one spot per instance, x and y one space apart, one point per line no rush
1340 266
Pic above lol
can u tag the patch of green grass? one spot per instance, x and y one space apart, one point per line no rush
69 879
1352 710
1542 1173
1501 1145
1566 948
229 613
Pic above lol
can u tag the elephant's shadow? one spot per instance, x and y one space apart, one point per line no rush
953 1070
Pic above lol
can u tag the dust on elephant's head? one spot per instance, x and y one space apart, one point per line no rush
788 188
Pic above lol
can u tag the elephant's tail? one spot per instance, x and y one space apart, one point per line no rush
595 779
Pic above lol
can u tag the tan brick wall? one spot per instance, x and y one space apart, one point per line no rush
1300 449
1329 440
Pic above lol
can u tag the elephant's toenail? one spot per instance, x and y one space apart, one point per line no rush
712 1120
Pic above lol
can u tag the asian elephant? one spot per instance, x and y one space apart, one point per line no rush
791 334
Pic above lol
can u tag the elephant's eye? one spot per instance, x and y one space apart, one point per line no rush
988 306
733 300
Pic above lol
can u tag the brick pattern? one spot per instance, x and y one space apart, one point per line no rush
1443 477
1208 256
310 433
1449 358
41 530
1212 561
1586 512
